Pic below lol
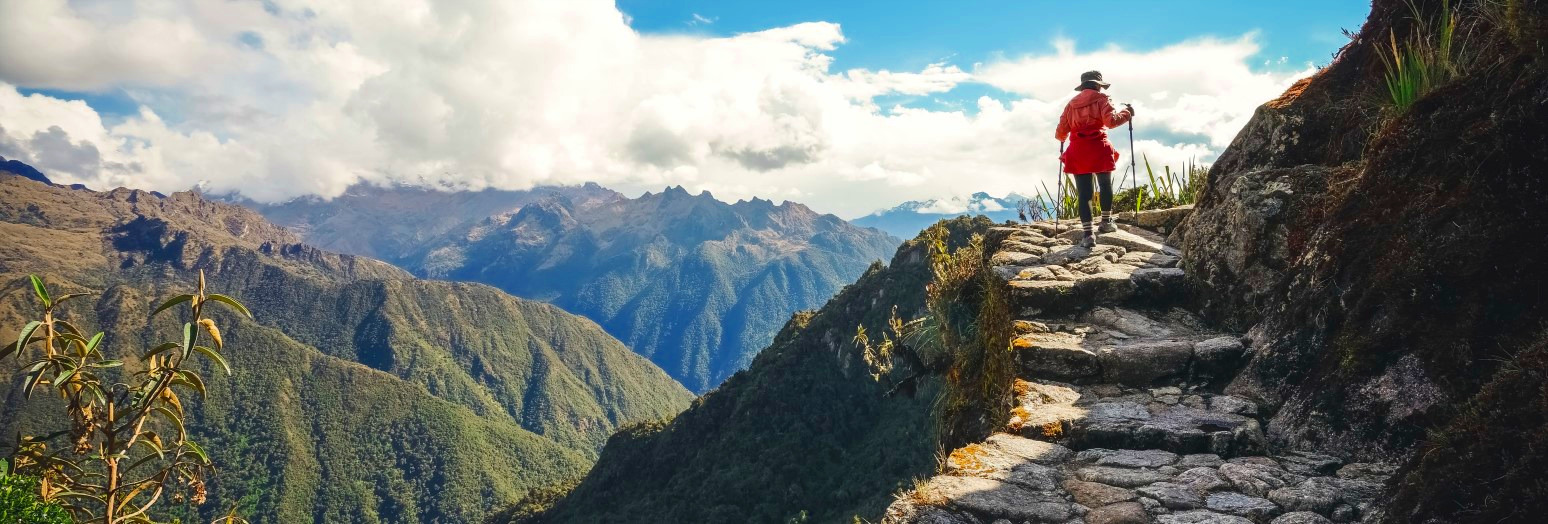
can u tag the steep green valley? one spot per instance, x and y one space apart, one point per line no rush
695 284
360 394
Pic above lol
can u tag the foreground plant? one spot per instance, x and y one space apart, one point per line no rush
126 448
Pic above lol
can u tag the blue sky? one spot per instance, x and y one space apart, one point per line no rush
846 106
909 34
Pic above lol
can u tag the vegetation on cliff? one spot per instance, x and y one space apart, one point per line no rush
809 431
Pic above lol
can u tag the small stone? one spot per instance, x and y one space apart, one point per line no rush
1124 477
1106 390
1203 480
1003 521
1309 464
1036 451
1028 326
1057 356
1173 495
1138 458
1105 288
1233 405
1120 513
933 515
1091 456
1369 471
1013 258
1209 460
996 499
1023 247
1217 356
1256 460
1170 400
1301 517
1065 254
1169 390
1140 364
1033 273
1253 479
1194 401
1254 508
1094 495
1104 250
1152 505
1345 513
1200 516
1315 495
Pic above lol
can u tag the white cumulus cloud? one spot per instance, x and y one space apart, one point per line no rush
285 98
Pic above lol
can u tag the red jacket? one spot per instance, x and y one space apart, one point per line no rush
1084 123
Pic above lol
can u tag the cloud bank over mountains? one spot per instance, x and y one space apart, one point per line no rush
278 99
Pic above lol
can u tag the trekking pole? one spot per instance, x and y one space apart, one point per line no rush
1133 168
1059 206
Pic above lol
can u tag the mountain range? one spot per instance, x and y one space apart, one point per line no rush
359 393
693 283
909 218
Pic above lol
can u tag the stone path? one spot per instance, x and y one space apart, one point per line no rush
1120 418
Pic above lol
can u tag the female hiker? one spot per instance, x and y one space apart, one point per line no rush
1085 122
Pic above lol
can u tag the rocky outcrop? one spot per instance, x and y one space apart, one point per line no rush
1377 260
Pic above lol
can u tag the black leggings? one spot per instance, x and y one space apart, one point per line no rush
1083 186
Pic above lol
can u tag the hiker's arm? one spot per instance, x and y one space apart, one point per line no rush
1063 130
1116 118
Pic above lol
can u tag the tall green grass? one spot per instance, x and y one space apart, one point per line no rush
1426 59
1166 188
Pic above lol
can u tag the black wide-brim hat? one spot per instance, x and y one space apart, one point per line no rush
1091 78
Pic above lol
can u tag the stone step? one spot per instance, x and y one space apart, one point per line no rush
1046 291
1110 416
1124 346
1021 480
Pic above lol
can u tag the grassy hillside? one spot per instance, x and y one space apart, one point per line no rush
359 394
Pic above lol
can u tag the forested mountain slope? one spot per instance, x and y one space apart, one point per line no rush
360 394
693 283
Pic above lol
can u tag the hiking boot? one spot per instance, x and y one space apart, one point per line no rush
1107 227
1088 241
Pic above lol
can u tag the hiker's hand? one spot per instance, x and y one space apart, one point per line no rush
1130 108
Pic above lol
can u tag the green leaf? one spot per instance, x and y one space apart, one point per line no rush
7 350
68 296
192 380
40 290
63 376
162 347
176 420
107 364
198 451
215 356
25 337
31 382
172 302
232 303
91 346
190 334
65 326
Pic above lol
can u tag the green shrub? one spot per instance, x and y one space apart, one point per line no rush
20 502
125 445
1424 61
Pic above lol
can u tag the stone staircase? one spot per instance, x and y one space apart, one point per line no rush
1119 416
